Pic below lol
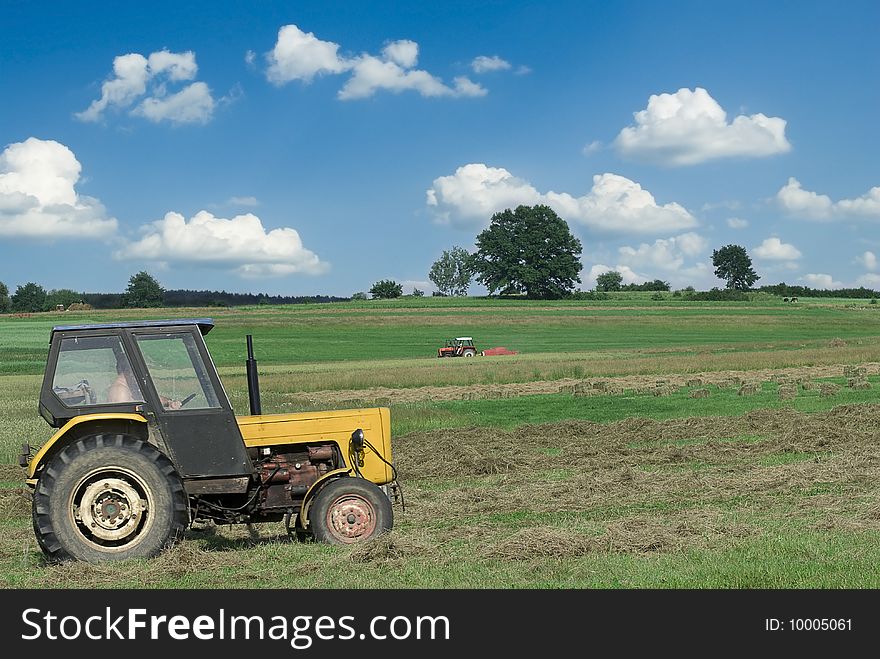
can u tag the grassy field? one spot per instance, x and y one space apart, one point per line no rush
556 467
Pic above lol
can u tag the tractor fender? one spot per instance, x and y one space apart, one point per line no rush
73 430
313 490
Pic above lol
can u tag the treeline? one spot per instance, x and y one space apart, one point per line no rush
188 298
784 290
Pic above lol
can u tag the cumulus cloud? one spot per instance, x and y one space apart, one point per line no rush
38 197
664 253
136 76
737 223
690 127
299 55
193 104
485 64
773 249
628 274
821 280
869 280
240 244
813 206
470 196
869 260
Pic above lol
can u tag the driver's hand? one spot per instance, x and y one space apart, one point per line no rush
173 405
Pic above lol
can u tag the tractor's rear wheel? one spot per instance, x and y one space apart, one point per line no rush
469 353
108 497
349 510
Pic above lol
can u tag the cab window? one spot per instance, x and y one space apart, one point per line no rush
177 371
94 370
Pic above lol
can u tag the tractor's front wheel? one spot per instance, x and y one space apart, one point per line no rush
108 497
349 510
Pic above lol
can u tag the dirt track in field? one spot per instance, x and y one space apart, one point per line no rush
589 386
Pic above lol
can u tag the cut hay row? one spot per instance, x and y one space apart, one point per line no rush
744 381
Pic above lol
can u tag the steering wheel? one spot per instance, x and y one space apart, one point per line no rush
187 399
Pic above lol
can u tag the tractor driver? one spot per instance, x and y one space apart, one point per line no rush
120 390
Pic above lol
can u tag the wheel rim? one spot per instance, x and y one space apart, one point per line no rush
111 508
351 518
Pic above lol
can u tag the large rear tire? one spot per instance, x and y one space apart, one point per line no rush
108 498
349 510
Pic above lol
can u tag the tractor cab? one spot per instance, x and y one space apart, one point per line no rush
462 346
160 370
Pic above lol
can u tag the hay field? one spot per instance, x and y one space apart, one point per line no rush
582 462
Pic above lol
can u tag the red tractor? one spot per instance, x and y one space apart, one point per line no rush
463 346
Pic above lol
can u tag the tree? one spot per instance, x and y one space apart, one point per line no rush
62 296
609 281
143 291
733 264
386 289
360 295
418 293
528 250
453 271
29 298
5 302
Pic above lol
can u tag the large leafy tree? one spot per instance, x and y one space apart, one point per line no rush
5 302
143 291
609 281
528 250
29 298
452 272
386 289
733 264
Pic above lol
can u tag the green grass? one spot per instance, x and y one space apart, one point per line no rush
512 412
812 526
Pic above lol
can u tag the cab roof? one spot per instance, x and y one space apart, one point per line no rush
205 325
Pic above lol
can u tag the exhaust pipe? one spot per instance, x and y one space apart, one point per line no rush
253 379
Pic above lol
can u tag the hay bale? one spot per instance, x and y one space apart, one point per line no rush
695 382
828 389
749 389
809 385
700 393
788 391
663 390
836 342
601 385
861 385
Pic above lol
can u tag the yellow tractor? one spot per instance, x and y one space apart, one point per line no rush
147 443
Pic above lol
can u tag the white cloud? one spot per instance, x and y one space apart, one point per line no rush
812 206
592 147
137 76
484 64
869 280
410 284
869 260
821 281
250 58
690 127
628 274
667 254
773 249
298 55
737 223
38 197
470 196
240 244
193 104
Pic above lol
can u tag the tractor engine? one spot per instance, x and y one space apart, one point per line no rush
286 477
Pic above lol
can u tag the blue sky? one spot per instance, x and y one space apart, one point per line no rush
316 147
